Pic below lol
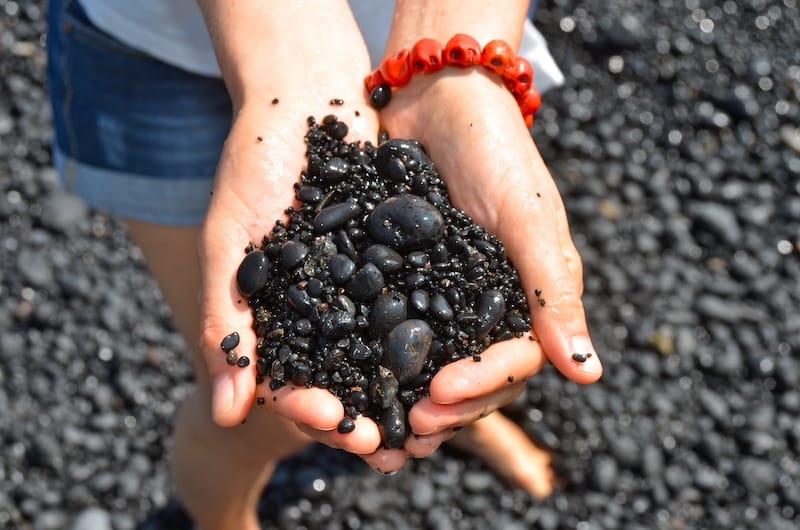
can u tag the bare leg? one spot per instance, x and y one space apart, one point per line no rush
509 452
220 472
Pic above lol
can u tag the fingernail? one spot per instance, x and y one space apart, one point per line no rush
222 394
585 356
386 473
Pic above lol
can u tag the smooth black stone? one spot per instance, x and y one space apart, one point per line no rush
439 253
415 280
230 342
299 300
315 287
344 303
309 194
420 301
345 426
335 170
393 426
336 324
406 349
516 322
418 259
359 400
395 170
380 96
491 308
253 273
406 222
360 351
388 310
440 308
335 216
383 388
383 257
366 284
292 254
301 373
409 152
345 245
342 269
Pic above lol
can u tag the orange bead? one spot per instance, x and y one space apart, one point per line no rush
373 80
519 76
529 121
426 56
530 101
462 50
497 55
396 70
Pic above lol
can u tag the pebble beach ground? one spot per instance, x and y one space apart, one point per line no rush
675 143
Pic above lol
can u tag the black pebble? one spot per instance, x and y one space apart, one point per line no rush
383 257
440 308
389 310
345 426
243 362
309 194
342 269
253 273
380 96
299 300
409 152
406 222
335 170
293 254
230 342
491 308
366 284
406 349
393 426
335 216
336 324
420 301
383 388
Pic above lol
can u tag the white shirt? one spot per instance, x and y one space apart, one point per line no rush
174 32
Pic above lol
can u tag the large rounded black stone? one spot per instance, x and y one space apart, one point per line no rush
253 273
406 349
406 222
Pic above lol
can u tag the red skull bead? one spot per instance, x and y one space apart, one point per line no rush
373 80
519 76
396 70
529 101
462 50
497 56
426 56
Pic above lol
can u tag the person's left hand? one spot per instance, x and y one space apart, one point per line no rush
473 131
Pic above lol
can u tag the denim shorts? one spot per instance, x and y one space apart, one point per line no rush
134 136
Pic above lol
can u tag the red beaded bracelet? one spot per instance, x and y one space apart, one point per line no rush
428 55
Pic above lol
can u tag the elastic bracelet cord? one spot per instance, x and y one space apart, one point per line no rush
428 55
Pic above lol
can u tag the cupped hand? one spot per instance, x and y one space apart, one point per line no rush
473 131
262 159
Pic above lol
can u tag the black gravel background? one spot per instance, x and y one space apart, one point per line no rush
677 148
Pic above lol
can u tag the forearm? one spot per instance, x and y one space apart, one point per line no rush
415 19
267 49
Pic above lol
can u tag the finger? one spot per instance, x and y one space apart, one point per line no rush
427 417
315 407
363 440
233 386
419 446
386 461
548 266
501 365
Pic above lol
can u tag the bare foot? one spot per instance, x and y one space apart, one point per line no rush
509 452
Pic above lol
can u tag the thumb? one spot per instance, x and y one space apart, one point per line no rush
551 273
225 311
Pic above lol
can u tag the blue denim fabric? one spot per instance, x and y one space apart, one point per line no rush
133 135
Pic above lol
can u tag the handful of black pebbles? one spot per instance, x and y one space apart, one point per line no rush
376 282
